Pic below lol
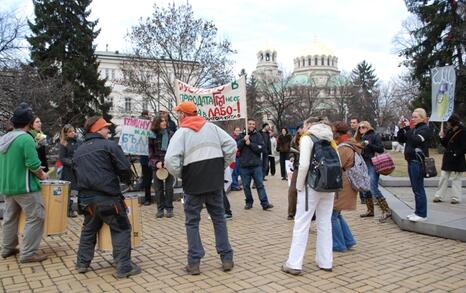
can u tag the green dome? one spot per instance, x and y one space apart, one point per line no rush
337 80
301 80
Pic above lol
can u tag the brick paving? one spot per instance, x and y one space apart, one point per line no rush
385 259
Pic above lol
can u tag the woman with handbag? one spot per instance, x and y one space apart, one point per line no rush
372 144
417 135
453 161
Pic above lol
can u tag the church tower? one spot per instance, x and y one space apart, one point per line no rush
267 66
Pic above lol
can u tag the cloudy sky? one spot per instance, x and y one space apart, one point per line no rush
354 29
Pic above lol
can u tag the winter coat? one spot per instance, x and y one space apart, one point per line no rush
418 137
199 152
65 156
346 199
455 149
375 145
41 148
267 143
250 155
99 165
18 163
284 143
156 154
321 131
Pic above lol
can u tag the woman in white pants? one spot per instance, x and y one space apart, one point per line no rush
319 202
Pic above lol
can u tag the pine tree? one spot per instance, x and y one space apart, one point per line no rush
439 40
364 103
62 45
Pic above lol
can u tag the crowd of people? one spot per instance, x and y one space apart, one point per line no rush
198 152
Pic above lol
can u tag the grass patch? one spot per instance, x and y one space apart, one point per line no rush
401 166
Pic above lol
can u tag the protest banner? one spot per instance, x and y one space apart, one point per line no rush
443 92
134 138
226 102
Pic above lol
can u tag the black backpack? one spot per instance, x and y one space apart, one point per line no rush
325 174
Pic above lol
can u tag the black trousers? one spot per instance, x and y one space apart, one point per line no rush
265 164
283 158
147 175
164 192
111 211
272 165
226 203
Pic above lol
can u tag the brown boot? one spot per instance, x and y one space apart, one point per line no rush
370 208
34 258
386 212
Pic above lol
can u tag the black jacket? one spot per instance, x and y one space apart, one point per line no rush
65 156
375 145
98 164
455 149
267 143
250 155
418 137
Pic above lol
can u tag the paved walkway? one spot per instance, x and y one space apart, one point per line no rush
386 259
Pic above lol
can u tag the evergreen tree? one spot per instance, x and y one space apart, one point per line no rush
364 102
62 46
439 40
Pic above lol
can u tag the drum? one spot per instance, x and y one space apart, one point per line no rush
55 197
104 238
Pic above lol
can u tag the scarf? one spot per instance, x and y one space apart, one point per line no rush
164 146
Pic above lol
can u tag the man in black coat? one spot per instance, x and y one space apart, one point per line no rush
251 147
100 164
453 162
267 150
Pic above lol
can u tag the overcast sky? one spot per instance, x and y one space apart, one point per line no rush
354 29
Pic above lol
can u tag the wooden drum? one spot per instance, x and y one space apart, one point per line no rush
104 238
55 197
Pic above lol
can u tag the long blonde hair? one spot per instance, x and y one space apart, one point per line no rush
358 135
63 134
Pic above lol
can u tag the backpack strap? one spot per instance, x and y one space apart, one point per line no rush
351 147
314 140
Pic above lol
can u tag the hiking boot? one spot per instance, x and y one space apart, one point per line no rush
291 271
134 271
82 269
370 208
34 258
193 269
227 265
159 214
9 252
248 206
267 207
169 213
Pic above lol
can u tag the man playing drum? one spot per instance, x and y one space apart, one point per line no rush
20 171
99 164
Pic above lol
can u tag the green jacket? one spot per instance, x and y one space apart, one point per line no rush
18 162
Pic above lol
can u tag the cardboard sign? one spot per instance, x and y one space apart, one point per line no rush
134 138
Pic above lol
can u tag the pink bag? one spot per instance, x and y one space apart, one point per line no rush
383 164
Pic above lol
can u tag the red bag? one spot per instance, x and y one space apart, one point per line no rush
383 164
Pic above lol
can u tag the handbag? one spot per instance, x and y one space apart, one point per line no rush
429 168
383 163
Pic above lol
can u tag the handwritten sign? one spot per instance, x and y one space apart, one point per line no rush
134 138
226 102
443 92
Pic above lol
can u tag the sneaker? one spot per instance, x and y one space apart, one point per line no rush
8 253
326 269
416 218
455 201
409 216
267 207
227 265
82 269
34 258
264 179
159 214
134 271
228 216
437 199
193 269
248 206
291 271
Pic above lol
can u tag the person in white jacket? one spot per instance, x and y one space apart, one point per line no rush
319 202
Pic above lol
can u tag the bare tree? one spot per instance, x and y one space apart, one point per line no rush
304 99
12 32
173 44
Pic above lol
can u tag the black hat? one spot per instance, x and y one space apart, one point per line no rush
22 115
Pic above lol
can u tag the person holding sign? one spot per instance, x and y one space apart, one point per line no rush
158 145
100 164
199 153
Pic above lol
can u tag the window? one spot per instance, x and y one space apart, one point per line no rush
309 61
267 57
110 102
127 105
322 61
315 61
328 61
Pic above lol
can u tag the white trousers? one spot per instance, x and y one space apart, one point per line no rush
456 178
322 204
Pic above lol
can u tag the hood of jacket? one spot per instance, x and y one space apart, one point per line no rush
193 122
321 131
7 139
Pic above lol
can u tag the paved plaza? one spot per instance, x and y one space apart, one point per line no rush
386 259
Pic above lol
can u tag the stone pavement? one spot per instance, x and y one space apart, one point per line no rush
386 259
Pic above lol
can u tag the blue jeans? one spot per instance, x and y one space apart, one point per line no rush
192 208
256 174
374 180
234 175
417 184
342 237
